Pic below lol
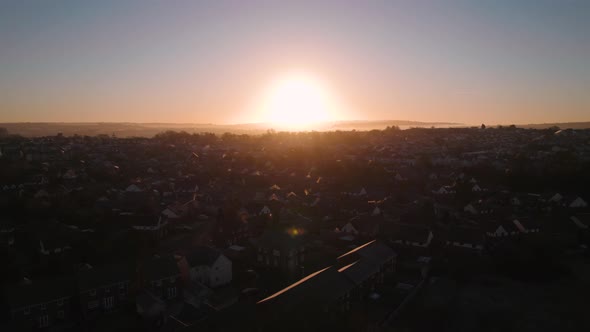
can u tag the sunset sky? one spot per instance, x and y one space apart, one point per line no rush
223 62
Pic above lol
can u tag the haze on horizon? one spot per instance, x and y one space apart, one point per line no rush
243 61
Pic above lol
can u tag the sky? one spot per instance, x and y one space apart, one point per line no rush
489 61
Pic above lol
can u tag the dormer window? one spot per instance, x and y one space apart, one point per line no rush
171 292
43 320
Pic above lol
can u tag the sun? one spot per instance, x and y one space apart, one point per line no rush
298 102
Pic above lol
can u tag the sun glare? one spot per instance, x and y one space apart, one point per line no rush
298 102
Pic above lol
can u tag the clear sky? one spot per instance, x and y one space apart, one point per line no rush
494 61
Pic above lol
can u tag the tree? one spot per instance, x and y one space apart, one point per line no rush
483 126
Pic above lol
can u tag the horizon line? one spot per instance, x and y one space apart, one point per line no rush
270 124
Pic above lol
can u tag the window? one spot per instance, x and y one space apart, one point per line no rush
27 311
60 302
171 292
92 304
60 314
108 302
92 292
173 279
158 283
43 320
122 287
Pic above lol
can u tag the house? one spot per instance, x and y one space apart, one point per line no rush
582 223
150 308
412 236
161 277
445 190
104 289
500 230
348 228
465 238
515 201
280 249
366 225
578 202
556 198
53 245
133 188
526 225
470 208
209 267
376 211
41 303
480 207
512 227
366 265
169 213
323 298
154 226
265 211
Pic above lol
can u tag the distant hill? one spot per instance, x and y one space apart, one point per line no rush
118 129
382 124
124 129
563 125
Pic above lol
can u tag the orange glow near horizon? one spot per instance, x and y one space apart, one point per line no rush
298 101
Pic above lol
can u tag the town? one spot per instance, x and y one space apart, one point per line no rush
383 230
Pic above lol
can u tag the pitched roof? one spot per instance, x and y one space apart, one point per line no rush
158 268
279 239
328 284
409 233
105 275
466 235
321 287
38 292
202 256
